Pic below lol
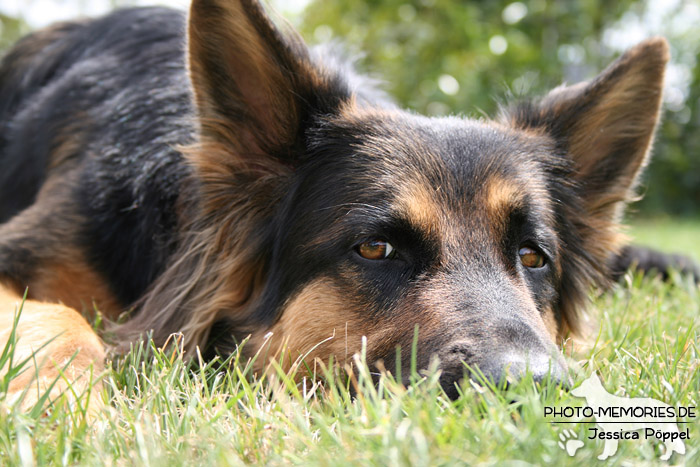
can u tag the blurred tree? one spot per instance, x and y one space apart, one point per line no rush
445 56
10 29
673 178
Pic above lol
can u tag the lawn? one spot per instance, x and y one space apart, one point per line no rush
161 413
677 235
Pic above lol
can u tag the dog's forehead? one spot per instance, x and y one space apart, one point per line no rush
453 147
453 162
456 181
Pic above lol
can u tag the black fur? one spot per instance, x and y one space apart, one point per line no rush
126 105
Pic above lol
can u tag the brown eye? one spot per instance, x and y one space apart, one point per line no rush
375 249
531 258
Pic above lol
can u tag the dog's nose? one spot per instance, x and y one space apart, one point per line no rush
512 365
501 366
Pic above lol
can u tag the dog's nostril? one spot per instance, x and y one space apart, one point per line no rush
461 351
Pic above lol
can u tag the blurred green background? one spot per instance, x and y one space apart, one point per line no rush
456 57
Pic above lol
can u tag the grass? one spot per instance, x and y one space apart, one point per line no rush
162 412
676 235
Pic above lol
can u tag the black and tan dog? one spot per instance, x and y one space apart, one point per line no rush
217 177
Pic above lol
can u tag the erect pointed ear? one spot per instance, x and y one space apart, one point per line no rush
253 83
607 125
602 131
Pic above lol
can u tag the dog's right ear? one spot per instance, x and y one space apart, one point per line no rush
254 84
605 126
601 133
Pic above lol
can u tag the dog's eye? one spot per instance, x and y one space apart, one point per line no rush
531 258
376 250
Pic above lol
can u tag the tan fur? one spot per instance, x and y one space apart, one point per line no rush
315 324
551 325
321 322
64 274
68 143
417 202
75 285
502 195
62 346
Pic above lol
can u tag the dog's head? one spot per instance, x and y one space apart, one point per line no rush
331 215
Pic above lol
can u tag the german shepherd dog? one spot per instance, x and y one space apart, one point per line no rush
218 178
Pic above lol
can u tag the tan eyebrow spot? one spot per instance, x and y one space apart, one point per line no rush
502 195
418 203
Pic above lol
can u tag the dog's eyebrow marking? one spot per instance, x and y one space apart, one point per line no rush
419 205
502 195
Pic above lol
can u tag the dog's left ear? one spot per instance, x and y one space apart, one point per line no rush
606 126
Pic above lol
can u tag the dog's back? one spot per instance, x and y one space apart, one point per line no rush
104 104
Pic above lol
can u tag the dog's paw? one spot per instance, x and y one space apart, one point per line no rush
55 354
569 442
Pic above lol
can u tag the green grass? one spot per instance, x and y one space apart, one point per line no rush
159 412
674 236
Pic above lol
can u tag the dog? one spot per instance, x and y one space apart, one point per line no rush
613 426
214 176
